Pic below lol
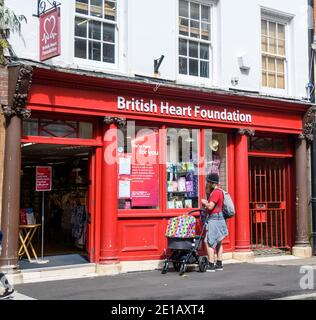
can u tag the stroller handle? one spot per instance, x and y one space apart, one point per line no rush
197 210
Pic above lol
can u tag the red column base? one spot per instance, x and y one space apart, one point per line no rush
108 257
242 249
243 246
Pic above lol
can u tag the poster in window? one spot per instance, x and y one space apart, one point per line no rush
145 169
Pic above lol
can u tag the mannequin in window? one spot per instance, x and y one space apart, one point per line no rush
214 164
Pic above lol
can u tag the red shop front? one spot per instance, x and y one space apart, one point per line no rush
139 152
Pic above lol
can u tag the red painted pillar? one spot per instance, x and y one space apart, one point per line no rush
242 191
109 208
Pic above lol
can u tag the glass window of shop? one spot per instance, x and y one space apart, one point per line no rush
139 174
57 128
138 167
215 148
182 168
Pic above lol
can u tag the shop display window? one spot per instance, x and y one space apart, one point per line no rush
215 148
138 167
182 168
138 174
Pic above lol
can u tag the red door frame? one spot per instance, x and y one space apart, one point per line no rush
289 187
93 233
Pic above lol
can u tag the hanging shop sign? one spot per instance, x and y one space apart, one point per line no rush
49 34
145 169
43 178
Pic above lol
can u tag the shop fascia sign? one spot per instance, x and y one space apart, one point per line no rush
167 109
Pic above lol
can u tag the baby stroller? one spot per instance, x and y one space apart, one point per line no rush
184 251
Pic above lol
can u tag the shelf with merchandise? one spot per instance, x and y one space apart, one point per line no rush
180 192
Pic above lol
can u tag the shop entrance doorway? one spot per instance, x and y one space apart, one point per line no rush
66 206
269 203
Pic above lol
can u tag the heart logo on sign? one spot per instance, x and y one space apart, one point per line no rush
49 28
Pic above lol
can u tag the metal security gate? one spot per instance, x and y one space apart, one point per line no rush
268 205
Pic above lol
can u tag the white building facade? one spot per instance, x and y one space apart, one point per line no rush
260 46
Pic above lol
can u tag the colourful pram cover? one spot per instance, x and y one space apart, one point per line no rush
181 227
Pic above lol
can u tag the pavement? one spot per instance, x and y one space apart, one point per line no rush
267 278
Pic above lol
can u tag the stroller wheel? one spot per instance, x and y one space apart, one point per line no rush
165 267
182 268
177 266
203 262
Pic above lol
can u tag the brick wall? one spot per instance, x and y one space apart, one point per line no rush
3 100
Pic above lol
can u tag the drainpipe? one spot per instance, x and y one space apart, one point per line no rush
313 149
313 200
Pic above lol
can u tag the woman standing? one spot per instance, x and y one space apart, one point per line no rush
216 227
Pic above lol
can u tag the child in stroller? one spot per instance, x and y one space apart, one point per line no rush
185 245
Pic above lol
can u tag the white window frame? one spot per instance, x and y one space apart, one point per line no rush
93 64
197 80
284 19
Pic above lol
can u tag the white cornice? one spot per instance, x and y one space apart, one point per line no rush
279 16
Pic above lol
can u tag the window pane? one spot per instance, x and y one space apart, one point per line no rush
205 31
271 64
264 79
281 82
183 8
109 10
194 11
108 53
264 63
271 80
96 8
184 26
193 49
215 149
279 144
95 30
281 31
108 32
204 51
205 13
183 47
281 47
272 30
95 50
182 168
82 6
264 28
81 27
204 69
280 66
30 127
195 29
261 144
138 173
193 67
80 48
59 128
264 44
85 130
183 65
272 45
